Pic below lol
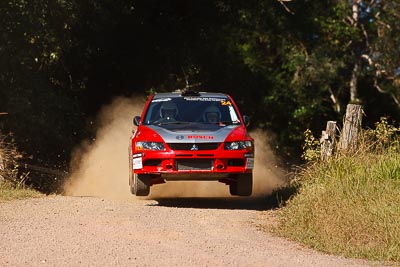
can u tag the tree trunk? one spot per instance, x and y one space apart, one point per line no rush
354 75
353 85
351 128
354 8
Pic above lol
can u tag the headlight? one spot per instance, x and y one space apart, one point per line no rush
238 145
150 146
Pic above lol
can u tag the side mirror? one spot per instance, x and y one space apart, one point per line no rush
246 120
136 120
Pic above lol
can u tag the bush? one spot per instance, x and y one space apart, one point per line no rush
12 181
9 161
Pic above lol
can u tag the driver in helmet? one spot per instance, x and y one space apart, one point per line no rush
212 114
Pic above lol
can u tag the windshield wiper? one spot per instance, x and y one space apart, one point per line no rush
171 122
228 122
222 123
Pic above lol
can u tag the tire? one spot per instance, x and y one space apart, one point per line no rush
233 189
131 187
130 180
141 185
244 184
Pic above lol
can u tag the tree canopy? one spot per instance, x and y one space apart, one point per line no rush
291 65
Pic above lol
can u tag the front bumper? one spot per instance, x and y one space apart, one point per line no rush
193 165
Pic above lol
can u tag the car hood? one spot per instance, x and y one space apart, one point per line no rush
194 134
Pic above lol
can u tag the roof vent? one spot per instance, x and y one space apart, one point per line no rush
189 92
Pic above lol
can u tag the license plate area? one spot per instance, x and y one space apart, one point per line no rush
194 164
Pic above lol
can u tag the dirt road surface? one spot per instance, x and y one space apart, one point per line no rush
90 231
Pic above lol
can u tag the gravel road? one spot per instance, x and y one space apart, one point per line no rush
90 231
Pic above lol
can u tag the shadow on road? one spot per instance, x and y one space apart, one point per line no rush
215 203
275 200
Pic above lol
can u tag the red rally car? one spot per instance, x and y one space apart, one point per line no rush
188 135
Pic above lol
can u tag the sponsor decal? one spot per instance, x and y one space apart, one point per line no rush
180 137
161 100
226 103
204 137
213 99
137 162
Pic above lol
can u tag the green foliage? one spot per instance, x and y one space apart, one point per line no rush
289 68
37 88
385 135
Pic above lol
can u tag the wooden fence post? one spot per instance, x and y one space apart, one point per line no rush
351 128
328 140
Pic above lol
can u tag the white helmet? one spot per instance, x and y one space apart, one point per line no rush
212 114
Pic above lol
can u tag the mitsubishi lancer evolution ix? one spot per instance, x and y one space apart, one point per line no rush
191 136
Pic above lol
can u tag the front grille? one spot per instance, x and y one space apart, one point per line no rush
152 162
193 146
194 164
235 162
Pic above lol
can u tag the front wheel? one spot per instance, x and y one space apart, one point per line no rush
131 186
141 184
233 189
244 184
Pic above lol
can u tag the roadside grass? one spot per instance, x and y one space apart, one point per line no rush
9 191
350 204
12 181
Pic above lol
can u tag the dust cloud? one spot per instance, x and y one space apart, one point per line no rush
267 175
100 168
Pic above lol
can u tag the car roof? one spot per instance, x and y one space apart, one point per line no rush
194 94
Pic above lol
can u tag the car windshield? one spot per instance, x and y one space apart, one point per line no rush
180 110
